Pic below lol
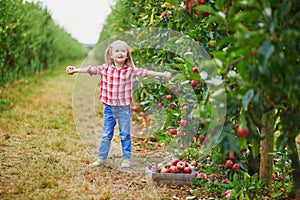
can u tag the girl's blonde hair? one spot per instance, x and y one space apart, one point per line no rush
108 53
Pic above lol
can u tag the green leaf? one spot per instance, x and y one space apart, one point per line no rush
247 98
219 4
205 8
265 51
285 8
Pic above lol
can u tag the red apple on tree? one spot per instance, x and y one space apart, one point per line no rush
171 107
242 132
195 70
169 97
180 133
182 122
173 131
194 83
201 138
228 163
185 107
235 167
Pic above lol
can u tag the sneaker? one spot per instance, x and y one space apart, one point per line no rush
97 163
125 164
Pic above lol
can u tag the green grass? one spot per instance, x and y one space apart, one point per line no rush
42 156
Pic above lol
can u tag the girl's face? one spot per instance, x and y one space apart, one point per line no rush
119 53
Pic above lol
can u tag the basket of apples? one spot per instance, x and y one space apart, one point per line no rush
175 172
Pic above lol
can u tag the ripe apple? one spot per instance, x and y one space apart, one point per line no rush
182 122
201 138
173 169
175 161
202 175
180 165
185 107
180 133
171 107
195 70
198 145
187 170
229 163
230 155
194 83
242 132
159 105
164 170
169 97
173 131
235 167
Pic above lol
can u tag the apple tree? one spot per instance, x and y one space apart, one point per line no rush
262 51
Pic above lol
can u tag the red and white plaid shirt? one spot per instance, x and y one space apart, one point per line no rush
116 84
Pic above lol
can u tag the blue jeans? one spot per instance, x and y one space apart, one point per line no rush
111 115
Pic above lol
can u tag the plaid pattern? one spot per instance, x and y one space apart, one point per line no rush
116 84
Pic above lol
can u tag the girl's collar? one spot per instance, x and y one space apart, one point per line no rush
113 66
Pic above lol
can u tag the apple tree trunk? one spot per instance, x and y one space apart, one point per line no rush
294 156
267 149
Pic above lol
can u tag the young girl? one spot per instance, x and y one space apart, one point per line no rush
116 94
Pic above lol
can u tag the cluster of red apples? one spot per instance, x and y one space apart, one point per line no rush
175 166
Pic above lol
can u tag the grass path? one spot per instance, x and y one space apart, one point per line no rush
43 157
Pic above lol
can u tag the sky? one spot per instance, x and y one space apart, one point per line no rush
83 19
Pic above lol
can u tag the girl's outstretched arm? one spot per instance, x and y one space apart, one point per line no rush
163 74
71 70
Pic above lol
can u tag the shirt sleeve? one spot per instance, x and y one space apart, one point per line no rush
139 72
93 70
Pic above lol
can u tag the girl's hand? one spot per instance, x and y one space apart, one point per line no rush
167 75
70 70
